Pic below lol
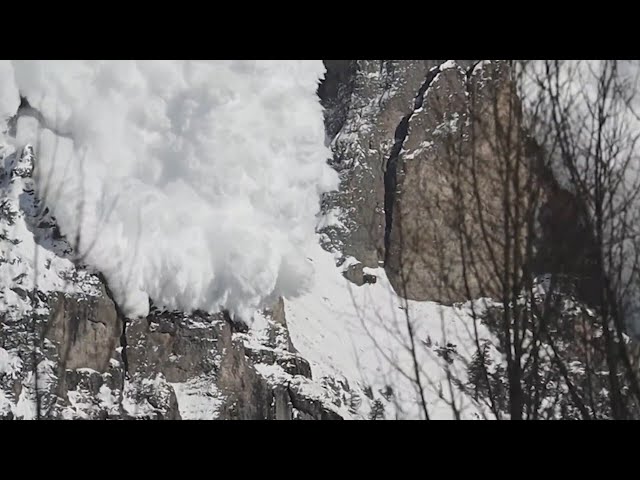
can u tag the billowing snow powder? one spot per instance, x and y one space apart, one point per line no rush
193 183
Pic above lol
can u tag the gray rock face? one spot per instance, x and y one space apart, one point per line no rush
457 197
382 93
196 355
175 344
415 173
89 329
419 163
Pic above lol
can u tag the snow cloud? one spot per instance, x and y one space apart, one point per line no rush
193 183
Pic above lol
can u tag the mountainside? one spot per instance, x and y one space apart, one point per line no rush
391 324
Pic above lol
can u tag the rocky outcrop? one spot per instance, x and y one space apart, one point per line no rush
88 328
381 93
171 366
461 187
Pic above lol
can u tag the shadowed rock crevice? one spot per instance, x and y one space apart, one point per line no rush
123 320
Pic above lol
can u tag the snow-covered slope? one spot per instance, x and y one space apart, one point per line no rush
362 333
33 256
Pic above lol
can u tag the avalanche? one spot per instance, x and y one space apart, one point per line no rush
193 183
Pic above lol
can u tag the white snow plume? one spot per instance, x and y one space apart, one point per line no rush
194 183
